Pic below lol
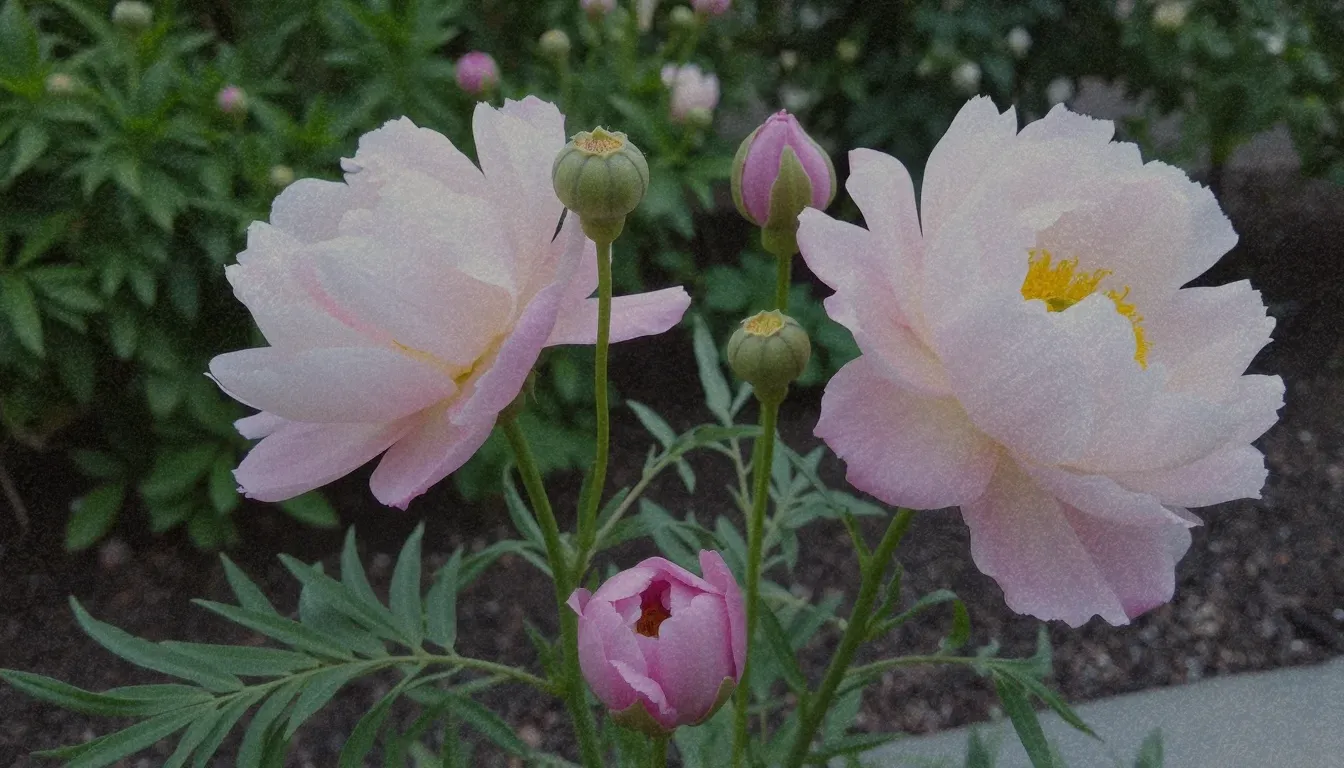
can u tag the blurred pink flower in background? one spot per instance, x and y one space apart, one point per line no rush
405 307
711 7
231 100
477 73
1029 355
692 89
660 639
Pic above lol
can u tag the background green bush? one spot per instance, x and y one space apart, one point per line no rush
125 188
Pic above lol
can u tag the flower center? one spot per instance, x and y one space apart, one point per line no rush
598 142
764 323
1060 285
652 614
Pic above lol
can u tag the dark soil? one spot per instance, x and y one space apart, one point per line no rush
1262 586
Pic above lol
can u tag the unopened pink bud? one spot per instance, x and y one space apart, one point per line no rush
767 188
477 73
597 8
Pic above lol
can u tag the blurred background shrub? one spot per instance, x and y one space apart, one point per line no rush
138 140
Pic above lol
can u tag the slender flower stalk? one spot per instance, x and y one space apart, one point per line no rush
588 515
783 280
813 709
585 727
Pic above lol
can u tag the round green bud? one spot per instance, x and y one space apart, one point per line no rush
281 176
768 351
602 177
682 18
132 15
847 51
555 45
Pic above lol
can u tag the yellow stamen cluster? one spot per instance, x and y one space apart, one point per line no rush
764 324
1061 285
598 142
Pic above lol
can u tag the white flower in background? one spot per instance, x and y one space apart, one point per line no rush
1169 15
1275 42
788 59
1059 90
1123 9
966 77
692 89
644 10
1019 41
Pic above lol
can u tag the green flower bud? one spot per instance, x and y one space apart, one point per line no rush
768 351
132 15
555 45
682 18
602 177
281 176
847 51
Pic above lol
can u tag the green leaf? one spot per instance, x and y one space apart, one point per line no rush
20 306
323 589
1018 708
352 572
245 660
197 733
272 625
51 231
654 423
361 739
31 142
404 594
1150 753
977 753
782 650
852 744
441 604
321 687
176 472
108 749
518 511
149 655
961 629
85 702
313 509
254 739
249 595
92 516
489 725
228 717
921 605
718 398
223 487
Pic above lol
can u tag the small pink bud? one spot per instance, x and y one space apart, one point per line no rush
660 646
767 187
596 9
692 89
711 7
477 73
232 100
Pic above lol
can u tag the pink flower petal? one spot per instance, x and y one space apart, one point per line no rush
360 384
516 148
299 457
696 654
716 573
975 139
436 448
1208 336
627 583
259 425
310 210
655 700
1138 562
642 314
400 146
904 448
1102 497
604 642
1236 472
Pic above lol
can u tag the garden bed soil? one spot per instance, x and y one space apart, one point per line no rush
1261 587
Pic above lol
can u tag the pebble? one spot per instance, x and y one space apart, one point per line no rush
1337 614
531 735
1297 646
113 554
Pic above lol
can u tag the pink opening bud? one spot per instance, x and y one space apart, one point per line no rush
596 9
711 7
231 100
771 189
477 73
660 646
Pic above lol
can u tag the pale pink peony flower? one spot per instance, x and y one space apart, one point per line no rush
405 307
476 73
692 89
660 639
711 7
1029 355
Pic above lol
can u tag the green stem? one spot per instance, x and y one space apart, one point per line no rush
659 757
783 279
452 742
813 710
585 727
762 458
588 515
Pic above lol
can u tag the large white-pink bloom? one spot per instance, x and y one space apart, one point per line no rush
405 307
1029 354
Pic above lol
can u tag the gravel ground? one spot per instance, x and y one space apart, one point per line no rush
1262 586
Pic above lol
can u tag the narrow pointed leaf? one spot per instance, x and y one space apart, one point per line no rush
718 398
229 717
321 687
85 702
289 632
405 593
441 604
490 725
352 572
318 586
1018 708
151 655
519 513
246 660
361 739
248 593
252 750
782 651
195 734
108 749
